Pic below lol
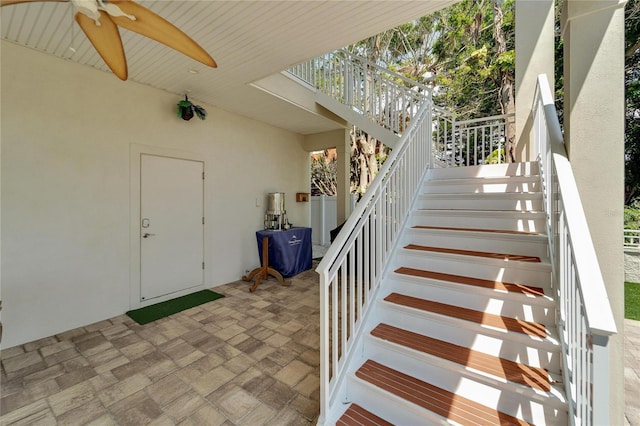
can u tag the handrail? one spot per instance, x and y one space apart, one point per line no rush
389 99
585 317
352 269
374 92
367 238
632 238
481 119
482 140
469 142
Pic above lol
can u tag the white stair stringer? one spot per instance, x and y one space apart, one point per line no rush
474 252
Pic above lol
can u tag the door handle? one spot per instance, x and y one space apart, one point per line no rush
147 235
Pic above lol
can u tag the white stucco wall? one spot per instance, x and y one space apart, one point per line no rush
594 111
67 135
632 266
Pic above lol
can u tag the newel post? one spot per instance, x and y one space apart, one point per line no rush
600 383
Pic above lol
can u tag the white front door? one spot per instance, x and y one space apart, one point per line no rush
171 225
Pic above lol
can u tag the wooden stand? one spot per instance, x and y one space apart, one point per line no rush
263 272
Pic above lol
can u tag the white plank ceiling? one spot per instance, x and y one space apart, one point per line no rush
249 40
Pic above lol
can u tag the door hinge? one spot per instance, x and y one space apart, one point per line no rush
203 220
202 175
202 265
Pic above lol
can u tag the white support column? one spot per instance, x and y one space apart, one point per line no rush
594 114
534 56
343 177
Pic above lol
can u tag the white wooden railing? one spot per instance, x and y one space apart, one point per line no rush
351 270
392 100
389 99
469 142
585 316
632 239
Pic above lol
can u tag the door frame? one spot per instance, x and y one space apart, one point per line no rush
136 151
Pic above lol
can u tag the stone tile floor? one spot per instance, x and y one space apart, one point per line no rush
632 372
246 359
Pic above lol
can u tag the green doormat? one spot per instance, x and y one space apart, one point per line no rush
164 309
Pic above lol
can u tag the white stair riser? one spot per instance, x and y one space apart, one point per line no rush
448 187
438 202
524 245
516 347
527 273
512 169
396 280
390 407
408 361
528 222
518 309
506 401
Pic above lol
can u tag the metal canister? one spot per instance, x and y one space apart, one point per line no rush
275 203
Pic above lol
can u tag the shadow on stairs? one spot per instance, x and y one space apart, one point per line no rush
463 329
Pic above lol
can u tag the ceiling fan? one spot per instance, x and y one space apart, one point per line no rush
99 20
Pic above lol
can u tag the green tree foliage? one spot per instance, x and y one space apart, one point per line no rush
631 217
406 49
632 86
323 174
475 58
465 51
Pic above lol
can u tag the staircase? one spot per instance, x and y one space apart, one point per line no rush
462 329
438 308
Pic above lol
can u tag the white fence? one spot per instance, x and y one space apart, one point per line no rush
469 142
632 255
585 316
324 217
631 239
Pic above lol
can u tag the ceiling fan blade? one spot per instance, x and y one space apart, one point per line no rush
106 39
153 26
10 2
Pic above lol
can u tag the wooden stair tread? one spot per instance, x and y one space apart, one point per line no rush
433 398
503 256
497 231
512 371
358 416
460 279
506 323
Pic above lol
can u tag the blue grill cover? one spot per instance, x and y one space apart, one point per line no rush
289 251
